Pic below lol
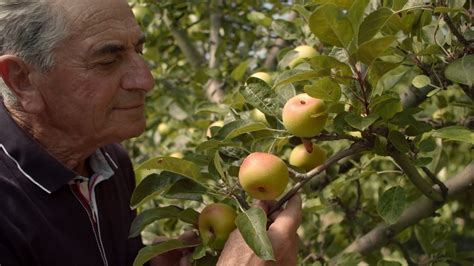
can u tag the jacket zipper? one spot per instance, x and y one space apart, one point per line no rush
92 218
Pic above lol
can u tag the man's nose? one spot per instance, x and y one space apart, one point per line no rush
137 75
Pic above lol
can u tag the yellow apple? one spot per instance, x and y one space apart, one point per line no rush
177 154
263 176
163 128
301 158
216 221
304 116
303 51
263 76
258 116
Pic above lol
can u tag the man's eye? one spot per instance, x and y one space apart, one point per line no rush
107 63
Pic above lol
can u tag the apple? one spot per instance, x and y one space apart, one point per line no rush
177 154
218 123
303 51
258 116
215 223
263 176
163 128
301 158
304 116
263 76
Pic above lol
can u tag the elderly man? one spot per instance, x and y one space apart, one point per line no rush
74 85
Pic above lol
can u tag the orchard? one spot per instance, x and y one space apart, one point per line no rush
363 107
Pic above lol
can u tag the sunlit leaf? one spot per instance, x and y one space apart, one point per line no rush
324 89
359 122
460 70
455 133
237 128
373 23
252 225
331 25
371 50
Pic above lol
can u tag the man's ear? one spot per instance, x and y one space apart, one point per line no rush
15 73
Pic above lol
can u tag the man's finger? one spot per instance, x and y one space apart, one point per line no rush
290 218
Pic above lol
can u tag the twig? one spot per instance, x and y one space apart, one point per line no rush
412 173
456 32
354 149
441 185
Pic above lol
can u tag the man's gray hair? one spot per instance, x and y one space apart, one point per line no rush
30 29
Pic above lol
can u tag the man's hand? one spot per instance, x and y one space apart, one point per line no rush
282 234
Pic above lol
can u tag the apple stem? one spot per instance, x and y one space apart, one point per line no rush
308 145
353 149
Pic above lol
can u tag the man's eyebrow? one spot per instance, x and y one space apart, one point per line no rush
110 48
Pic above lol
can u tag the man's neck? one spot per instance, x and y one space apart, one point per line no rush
68 149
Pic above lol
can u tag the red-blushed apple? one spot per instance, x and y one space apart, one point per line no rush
301 158
304 116
216 221
263 76
303 51
263 176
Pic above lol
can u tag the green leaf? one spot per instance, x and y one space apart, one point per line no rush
148 216
424 238
417 128
171 164
460 70
371 50
324 89
427 145
285 29
398 141
237 128
388 263
239 72
373 23
330 66
421 81
296 75
189 216
361 123
258 94
455 133
213 144
147 253
339 3
392 204
186 189
331 25
356 14
153 185
386 107
252 225
259 18
378 69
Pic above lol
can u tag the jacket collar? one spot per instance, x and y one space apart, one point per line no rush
32 160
